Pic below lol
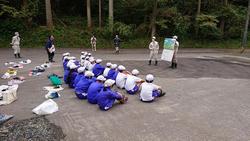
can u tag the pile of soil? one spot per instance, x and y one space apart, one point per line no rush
33 129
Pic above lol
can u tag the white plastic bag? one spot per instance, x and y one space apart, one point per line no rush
47 107
9 95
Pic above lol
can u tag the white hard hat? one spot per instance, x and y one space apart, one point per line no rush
175 37
98 60
88 73
109 83
73 66
153 37
113 66
80 69
108 64
89 54
135 72
149 77
66 54
101 78
82 52
121 67
91 59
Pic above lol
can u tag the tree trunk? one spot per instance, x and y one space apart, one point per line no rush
48 14
89 13
100 13
199 7
244 40
154 19
111 15
222 23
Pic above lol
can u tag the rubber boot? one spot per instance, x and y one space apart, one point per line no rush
156 62
161 93
19 55
175 66
172 65
15 55
149 62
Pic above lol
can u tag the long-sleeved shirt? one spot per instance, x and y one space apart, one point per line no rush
98 69
83 85
154 46
93 91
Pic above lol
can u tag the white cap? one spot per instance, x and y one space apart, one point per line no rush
108 64
82 52
87 58
135 72
121 67
149 77
72 58
86 53
98 60
91 59
66 54
113 66
153 37
175 37
101 78
89 54
73 66
109 83
80 69
88 73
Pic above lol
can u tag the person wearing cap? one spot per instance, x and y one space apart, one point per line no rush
67 54
154 48
112 74
106 70
133 82
72 75
81 88
82 56
117 42
67 70
107 97
174 60
86 62
93 43
89 54
95 88
98 68
91 64
65 62
79 75
121 77
150 91
50 48
16 45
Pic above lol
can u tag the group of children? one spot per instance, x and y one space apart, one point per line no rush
93 81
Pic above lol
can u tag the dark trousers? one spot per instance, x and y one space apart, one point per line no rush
50 55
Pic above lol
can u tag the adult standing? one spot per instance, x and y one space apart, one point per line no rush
154 48
93 43
50 48
176 46
16 45
117 41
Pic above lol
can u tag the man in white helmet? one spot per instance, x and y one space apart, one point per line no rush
112 72
72 75
121 77
176 46
154 48
81 88
98 68
107 97
91 64
79 75
133 82
16 45
93 43
95 88
150 91
106 70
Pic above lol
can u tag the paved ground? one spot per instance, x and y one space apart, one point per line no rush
207 99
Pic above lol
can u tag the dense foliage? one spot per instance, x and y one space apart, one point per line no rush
216 20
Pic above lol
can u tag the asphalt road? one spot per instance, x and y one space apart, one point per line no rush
207 98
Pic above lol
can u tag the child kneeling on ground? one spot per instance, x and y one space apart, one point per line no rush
107 97
150 91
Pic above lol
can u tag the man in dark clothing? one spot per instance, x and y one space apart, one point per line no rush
117 41
50 48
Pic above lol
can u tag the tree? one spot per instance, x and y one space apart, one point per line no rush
48 14
89 13
222 22
153 27
199 7
100 13
244 40
111 15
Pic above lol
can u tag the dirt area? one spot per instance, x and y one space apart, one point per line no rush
34 129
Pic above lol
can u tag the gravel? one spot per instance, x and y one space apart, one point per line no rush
34 129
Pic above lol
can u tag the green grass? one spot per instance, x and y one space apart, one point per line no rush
70 37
